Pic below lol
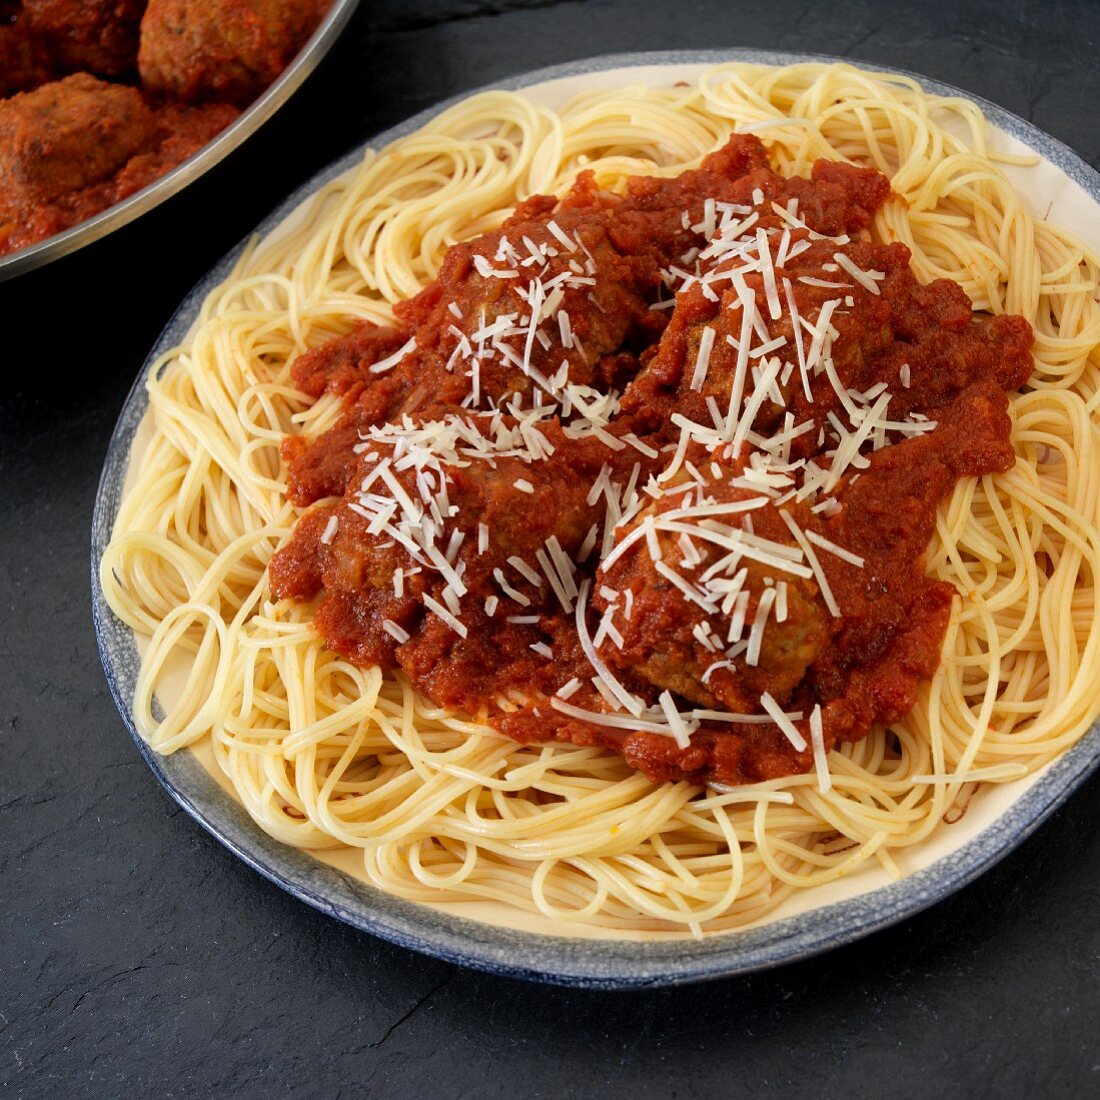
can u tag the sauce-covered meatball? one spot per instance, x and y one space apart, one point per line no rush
74 147
676 643
221 49
26 59
66 135
97 36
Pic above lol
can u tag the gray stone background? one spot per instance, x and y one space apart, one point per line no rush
139 957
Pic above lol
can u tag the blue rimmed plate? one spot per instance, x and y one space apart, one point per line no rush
840 914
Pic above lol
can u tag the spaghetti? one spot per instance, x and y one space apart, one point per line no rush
326 754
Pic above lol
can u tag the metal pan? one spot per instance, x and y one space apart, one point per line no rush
61 244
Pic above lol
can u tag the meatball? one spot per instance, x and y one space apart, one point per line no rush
356 564
604 309
99 36
25 57
221 49
686 644
67 135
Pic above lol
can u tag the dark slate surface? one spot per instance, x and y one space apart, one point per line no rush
139 957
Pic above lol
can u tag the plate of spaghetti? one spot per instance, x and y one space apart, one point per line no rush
634 524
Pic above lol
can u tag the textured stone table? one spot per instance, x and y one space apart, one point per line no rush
137 956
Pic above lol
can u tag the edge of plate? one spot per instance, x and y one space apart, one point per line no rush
594 964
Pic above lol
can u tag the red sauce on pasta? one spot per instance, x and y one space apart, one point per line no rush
657 472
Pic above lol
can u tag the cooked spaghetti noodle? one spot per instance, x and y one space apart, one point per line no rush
324 754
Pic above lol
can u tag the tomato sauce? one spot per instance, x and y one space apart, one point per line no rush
593 528
73 148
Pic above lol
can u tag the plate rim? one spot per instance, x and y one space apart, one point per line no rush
586 963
